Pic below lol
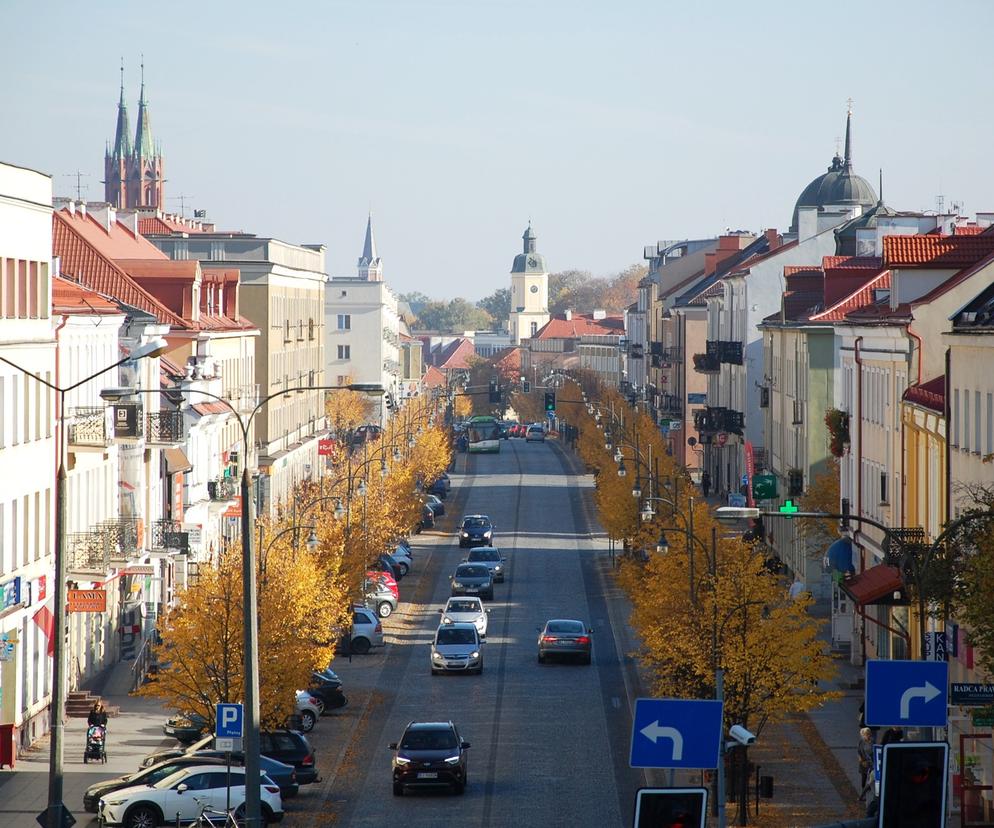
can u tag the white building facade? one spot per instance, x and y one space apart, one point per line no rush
529 290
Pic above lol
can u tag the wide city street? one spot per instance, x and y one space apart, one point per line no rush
549 741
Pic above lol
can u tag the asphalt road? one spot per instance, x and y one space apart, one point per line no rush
549 742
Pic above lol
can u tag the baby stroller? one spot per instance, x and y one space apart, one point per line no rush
96 749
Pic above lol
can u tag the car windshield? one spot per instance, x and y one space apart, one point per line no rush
475 523
472 572
484 555
569 627
429 740
448 635
463 606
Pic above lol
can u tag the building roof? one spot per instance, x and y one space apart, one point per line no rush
580 324
862 297
955 279
71 298
433 378
873 584
946 252
967 230
978 315
451 355
931 394
529 260
165 224
852 262
739 268
839 185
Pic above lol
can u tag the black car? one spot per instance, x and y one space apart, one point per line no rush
186 728
204 743
146 776
291 747
429 754
327 688
387 563
282 773
476 530
439 489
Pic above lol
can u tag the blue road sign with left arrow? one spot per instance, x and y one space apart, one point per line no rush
676 733
906 693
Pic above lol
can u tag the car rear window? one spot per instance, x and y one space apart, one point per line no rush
472 571
284 742
463 606
429 740
566 627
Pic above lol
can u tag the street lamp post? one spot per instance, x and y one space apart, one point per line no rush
56 811
253 804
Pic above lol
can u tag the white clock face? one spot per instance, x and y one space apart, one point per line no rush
534 288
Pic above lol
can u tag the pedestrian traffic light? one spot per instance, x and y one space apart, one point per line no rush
671 808
550 400
526 386
494 391
913 785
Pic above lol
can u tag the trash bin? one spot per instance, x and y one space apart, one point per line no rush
8 752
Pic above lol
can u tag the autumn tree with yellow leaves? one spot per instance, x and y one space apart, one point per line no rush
708 600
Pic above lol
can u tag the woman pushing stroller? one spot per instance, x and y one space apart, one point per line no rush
96 733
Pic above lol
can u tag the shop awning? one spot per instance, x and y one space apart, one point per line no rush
176 461
875 585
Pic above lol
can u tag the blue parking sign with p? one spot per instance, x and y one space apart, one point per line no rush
228 721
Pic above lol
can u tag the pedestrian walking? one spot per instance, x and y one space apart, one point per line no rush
706 483
864 750
97 716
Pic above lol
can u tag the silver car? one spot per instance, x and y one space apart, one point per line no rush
457 648
466 611
490 557
473 579
563 637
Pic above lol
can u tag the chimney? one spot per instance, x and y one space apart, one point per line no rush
105 215
710 262
598 314
81 206
568 314
774 238
129 219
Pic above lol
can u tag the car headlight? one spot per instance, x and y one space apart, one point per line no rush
498 568
446 619
402 760
474 654
452 760
457 584
488 533
436 656
465 534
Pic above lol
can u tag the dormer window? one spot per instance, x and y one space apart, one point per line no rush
881 295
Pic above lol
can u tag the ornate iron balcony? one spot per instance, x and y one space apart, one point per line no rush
88 426
224 488
706 364
164 427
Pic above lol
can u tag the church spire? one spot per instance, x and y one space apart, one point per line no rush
143 135
848 156
122 136
370 266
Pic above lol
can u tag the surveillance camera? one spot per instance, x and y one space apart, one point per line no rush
741 735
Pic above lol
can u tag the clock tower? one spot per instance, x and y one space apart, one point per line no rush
529 290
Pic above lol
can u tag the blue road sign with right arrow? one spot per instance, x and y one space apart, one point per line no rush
676 733
906 693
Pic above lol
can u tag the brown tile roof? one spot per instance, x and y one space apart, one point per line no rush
860 298
72 298
581 324
212 407
967 230
952 252
433 378
852 262
163 225
81 259
931 394
117 242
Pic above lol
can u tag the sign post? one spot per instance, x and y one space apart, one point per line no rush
906 693
229 723
676 733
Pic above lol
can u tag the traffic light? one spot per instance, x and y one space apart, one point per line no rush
844 523
494 391
389 401
671 807
550 400
913 785
526 386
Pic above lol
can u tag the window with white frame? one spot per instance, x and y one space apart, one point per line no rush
955 413
345 352
977 422
345 322
966 420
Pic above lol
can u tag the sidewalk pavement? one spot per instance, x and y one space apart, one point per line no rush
131 735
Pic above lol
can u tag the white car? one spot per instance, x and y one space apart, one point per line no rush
403 556
367 631
457 648
309 709
468 610
184 794
535 432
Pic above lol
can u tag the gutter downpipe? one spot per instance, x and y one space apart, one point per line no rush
903 514
859 475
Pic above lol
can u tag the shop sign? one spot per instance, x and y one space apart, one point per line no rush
86 600
326 447
126 421
982 719
7 642
195 532
235 509
139 569
970 694
10 593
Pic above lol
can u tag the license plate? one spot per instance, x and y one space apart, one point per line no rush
564 643
427 776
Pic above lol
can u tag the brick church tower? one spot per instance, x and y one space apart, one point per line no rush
134 174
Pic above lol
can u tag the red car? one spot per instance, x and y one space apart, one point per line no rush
387 580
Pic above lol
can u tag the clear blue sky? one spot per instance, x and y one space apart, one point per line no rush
610 124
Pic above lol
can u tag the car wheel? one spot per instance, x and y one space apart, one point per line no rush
459 788
307 720
320 706
541 659
490 543
360 645
384 609
404 569
141 817
398 789
587 658
479 670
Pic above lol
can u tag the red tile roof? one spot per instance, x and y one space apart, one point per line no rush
453 354
433 378
952 252
967 230
955 279
72 298
164 225
213 407
931 394
81 259
581 324
859 299
852 262
118 242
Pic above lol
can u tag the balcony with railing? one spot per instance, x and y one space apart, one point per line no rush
707 364
224 488
670 404
164 427
160 532
95 550
88 427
